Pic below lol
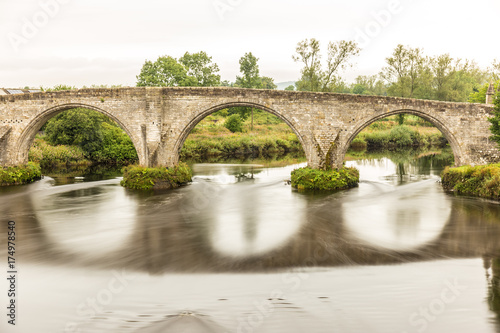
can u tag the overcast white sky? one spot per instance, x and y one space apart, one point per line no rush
84 42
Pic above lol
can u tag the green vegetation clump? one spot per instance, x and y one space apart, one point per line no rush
313 179
19 175
80 135
142 178
480 181
387 133
233 123
46 155
210 138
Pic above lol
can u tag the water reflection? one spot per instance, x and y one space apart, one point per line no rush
245 220
87 219
403 218
221 224
492 266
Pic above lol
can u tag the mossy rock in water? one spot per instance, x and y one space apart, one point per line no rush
336 179
141 178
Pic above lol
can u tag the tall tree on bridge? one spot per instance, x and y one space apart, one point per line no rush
251 78
191 70
314 77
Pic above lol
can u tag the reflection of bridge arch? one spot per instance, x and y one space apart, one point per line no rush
432 118
158 120
162 238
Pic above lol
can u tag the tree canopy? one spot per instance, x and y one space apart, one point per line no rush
193 70
316 77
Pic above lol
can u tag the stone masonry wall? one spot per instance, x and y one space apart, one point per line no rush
158 120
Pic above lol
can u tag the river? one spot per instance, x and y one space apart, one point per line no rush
239 250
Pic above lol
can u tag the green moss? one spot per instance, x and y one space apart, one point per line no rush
19 175
141 178
313 179
481 181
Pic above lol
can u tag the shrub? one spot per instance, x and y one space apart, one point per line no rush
402 136
234 123
142 178
45 154
116 146
482 180
313 179
358 143
20 174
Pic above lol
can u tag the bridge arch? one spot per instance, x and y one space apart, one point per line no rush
206 112
448 134
28 134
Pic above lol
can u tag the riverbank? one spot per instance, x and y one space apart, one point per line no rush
19 175
389 134
269 136
480 181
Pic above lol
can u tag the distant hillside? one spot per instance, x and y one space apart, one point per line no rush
283 85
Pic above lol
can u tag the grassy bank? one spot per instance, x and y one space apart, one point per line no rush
47 155
269 136
388 134
141 178
313 179
480 181
19 175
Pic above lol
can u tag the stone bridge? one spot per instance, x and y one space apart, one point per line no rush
158 120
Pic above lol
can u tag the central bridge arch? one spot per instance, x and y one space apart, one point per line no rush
448 134
206 112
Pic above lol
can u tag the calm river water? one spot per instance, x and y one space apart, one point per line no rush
239 251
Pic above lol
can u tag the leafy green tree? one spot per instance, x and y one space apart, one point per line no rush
192 70
479 95
76 127
495 70
268 83
116 145
250 78
166 71
369 85
313 76
443 72
250 72
290 88
58 87
467 78
200 70
233 123
495 120
403 71
100 138
226 83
